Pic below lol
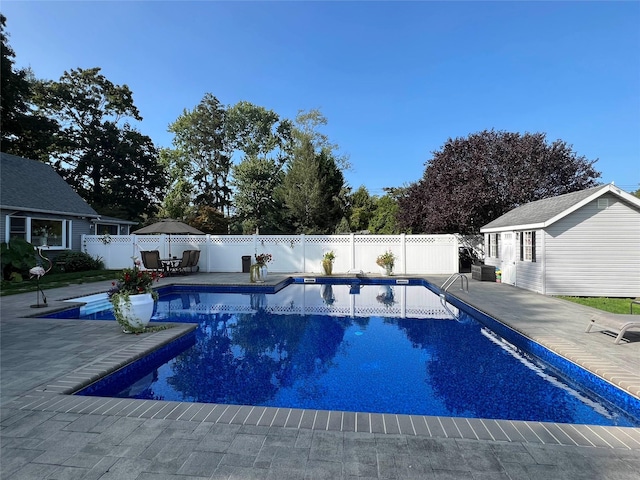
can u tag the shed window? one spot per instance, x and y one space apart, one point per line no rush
528 246
494 245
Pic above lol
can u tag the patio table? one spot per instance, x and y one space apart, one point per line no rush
170 265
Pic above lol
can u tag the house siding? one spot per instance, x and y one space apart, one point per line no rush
594 251
529 274
79 227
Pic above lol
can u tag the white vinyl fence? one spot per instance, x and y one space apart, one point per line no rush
415 254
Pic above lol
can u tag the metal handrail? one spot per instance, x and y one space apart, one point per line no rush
464 281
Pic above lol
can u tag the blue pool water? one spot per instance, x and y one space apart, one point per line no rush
374 348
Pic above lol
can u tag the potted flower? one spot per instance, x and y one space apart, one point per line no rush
133 297
386 261
327 262
258 271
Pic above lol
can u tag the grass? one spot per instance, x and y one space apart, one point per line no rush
54 280
611 305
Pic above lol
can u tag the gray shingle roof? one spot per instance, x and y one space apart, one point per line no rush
34 186
541 211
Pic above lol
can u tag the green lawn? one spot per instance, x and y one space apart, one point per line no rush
612 305
54 280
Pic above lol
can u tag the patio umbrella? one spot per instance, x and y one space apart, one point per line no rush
168 226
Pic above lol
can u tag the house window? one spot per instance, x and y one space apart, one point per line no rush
103 228
494 245
17 228
47 232
528 246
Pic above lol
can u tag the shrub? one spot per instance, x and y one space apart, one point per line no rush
79 261
17 257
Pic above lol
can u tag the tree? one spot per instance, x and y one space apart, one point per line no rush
472 181
177 203
202 154
265 141
110 164
23 131
383 220
362 208
256 180
258 132
312 190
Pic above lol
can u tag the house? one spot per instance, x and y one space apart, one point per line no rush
585 243
36 204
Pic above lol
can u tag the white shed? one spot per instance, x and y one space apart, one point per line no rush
584 243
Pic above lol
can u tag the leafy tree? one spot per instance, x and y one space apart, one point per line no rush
362 209
209 220
256 180
383 220
637 193
202 154
110 164
177 203
258 132
314 191
471 181
23 131
265 141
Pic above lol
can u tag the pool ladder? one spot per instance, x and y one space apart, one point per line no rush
464 286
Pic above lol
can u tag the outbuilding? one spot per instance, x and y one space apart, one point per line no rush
584 243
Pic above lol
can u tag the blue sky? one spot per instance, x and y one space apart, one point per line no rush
395 80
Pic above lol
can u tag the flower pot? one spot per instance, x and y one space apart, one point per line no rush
258 273
387 270
137 310
327 266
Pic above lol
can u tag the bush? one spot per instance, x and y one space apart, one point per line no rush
79 261
17 257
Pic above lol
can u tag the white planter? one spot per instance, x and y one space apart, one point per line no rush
138 310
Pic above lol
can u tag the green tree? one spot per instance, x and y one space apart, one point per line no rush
256 180
202 154
383 221
362 209
258 132
110 164
312 190
264 140
23 131
472 181
178 202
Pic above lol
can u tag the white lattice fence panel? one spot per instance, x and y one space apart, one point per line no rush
367 248
431 254
317 245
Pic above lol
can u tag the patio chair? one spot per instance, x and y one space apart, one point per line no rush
151 260
185 262
195 258
615 322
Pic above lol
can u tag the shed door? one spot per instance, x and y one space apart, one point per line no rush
509 258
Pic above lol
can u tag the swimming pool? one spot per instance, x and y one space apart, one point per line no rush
355 347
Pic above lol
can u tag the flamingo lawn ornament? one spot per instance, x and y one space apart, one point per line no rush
38 272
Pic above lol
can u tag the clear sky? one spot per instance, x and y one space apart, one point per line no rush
395 80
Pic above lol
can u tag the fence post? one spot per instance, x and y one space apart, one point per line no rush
353 251
304 253
403 252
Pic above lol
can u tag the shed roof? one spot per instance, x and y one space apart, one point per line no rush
33 186
542 213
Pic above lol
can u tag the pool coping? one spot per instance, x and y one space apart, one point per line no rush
55 396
